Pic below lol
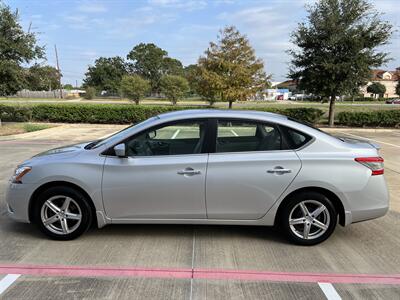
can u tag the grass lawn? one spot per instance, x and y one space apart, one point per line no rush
16 128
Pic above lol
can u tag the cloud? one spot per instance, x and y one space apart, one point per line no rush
92 7
75 21
188 5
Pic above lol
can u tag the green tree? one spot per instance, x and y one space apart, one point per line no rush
41 78
398 81
376 88
192 75
17 47
152 62
174 87
106 74
231 69
68 86
199 84
172 66
134 87
337 47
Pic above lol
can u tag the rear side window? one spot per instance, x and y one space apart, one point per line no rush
295 139
244 136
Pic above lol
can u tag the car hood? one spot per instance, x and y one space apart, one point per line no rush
69 150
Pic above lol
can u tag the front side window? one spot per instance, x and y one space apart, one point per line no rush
243 136
173 139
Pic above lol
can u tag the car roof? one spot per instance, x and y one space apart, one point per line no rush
219 113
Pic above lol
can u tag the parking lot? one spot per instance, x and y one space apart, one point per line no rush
196 262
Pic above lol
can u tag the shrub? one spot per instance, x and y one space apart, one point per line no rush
379 118
97 113
15 113
305 114
117 113
174 87
134 87
90 93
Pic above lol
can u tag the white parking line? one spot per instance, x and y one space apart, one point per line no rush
175 134
7 281
234 133
191 280
329 291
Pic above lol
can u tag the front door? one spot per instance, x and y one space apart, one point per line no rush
248 171
163 176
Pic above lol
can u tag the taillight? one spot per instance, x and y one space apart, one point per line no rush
375 164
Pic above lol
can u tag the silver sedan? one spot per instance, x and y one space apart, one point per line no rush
204 167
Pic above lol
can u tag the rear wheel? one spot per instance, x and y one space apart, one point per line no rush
62 213
308 218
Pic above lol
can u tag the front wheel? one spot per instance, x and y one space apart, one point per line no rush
308 218
62 213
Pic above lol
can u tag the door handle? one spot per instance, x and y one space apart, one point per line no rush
279 170
189 171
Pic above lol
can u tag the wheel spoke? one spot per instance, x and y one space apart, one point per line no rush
297 221
50 220
319 224
66 203
304 209
306 230
72 216
318 211
64 225
52 206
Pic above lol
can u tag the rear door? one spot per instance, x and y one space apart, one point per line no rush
248 171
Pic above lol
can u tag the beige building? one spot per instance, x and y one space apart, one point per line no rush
388 78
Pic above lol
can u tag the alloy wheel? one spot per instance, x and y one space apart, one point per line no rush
61 215
309 219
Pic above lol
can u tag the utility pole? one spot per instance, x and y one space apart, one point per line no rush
59 73
76 84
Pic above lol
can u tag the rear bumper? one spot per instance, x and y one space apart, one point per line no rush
370 203
369 214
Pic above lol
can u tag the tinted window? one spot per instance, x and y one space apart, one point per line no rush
241 136
173 139
295 138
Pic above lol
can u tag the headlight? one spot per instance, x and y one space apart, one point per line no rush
19 173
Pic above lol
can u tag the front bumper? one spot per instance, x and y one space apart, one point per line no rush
17 200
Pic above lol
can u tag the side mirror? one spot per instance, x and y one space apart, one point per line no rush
152 134
120 150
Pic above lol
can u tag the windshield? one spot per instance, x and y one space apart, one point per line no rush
116 135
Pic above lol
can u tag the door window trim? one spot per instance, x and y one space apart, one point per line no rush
204 149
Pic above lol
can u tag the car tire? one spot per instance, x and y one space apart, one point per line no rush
308 218
62 213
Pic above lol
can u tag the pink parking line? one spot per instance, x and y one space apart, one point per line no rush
83 271
214 274
297 277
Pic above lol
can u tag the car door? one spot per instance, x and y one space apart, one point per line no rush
163 175
248 171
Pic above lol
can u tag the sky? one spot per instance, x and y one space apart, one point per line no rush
85 30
